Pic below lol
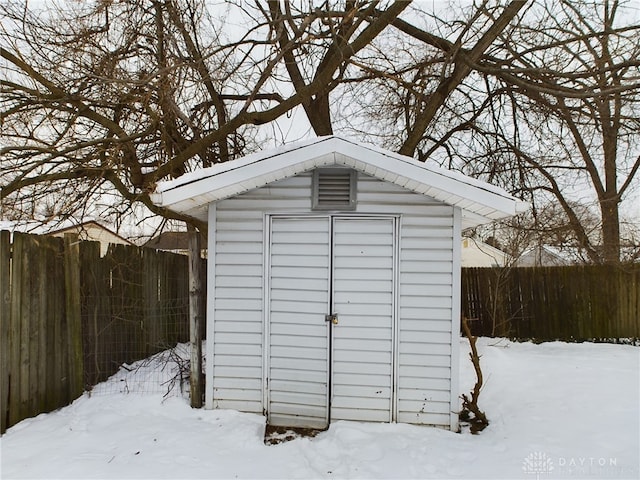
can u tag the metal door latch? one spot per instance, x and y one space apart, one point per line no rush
333 318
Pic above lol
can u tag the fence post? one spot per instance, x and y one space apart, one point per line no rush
5 311
73 313
195 318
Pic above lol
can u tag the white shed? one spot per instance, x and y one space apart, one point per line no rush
334 281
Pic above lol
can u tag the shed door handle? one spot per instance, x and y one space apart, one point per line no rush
333 318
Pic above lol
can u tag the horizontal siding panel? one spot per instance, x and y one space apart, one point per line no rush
238 359
429 349
305 364
365 368
416 313
360 345
441 248
371 263
238 259
437 419
399 198
426 300
244 304
239 270
243 202
224 383
372 357
238 338
286 341
425 266
365 391
235 394
428 214
360 415
237 372
370 286
292 261
425 278
412 359
365 333
295 352
373 309
225 216
307 421
423 406
423 395
315 330
356 379
424 383
294 317
354 274
280 397
360 403
238 315
238 248
428 371
239 327
302 295
291 375
366 300
240 405
427 325
242 231
428 289
248 236
238 281
299 249
362 321
241 293
292 306
424 338
295 272
319 388
234 349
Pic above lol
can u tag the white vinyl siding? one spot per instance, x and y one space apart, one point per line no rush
424 296
298 334
363 299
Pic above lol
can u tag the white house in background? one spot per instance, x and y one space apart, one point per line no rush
476 253
93 231
87 230
334 281
545 256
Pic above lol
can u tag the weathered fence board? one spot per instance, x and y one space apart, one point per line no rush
5 306
578 302
71 318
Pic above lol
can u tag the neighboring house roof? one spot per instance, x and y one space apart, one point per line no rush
191 193
175 241
476 253
91 230
542 256
87 230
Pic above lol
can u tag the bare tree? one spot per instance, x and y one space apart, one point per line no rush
541 98
115 96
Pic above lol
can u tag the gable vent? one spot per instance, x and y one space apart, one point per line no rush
334 189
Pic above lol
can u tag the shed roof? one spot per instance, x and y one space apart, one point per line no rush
191 193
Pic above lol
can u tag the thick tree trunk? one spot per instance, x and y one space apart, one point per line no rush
610 230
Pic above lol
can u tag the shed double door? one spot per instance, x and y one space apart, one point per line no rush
319 369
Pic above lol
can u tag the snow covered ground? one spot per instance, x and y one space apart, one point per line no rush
557 411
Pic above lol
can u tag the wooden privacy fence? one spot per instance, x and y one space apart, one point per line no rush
70 318
571 303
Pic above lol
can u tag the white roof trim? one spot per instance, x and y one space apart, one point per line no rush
480 201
